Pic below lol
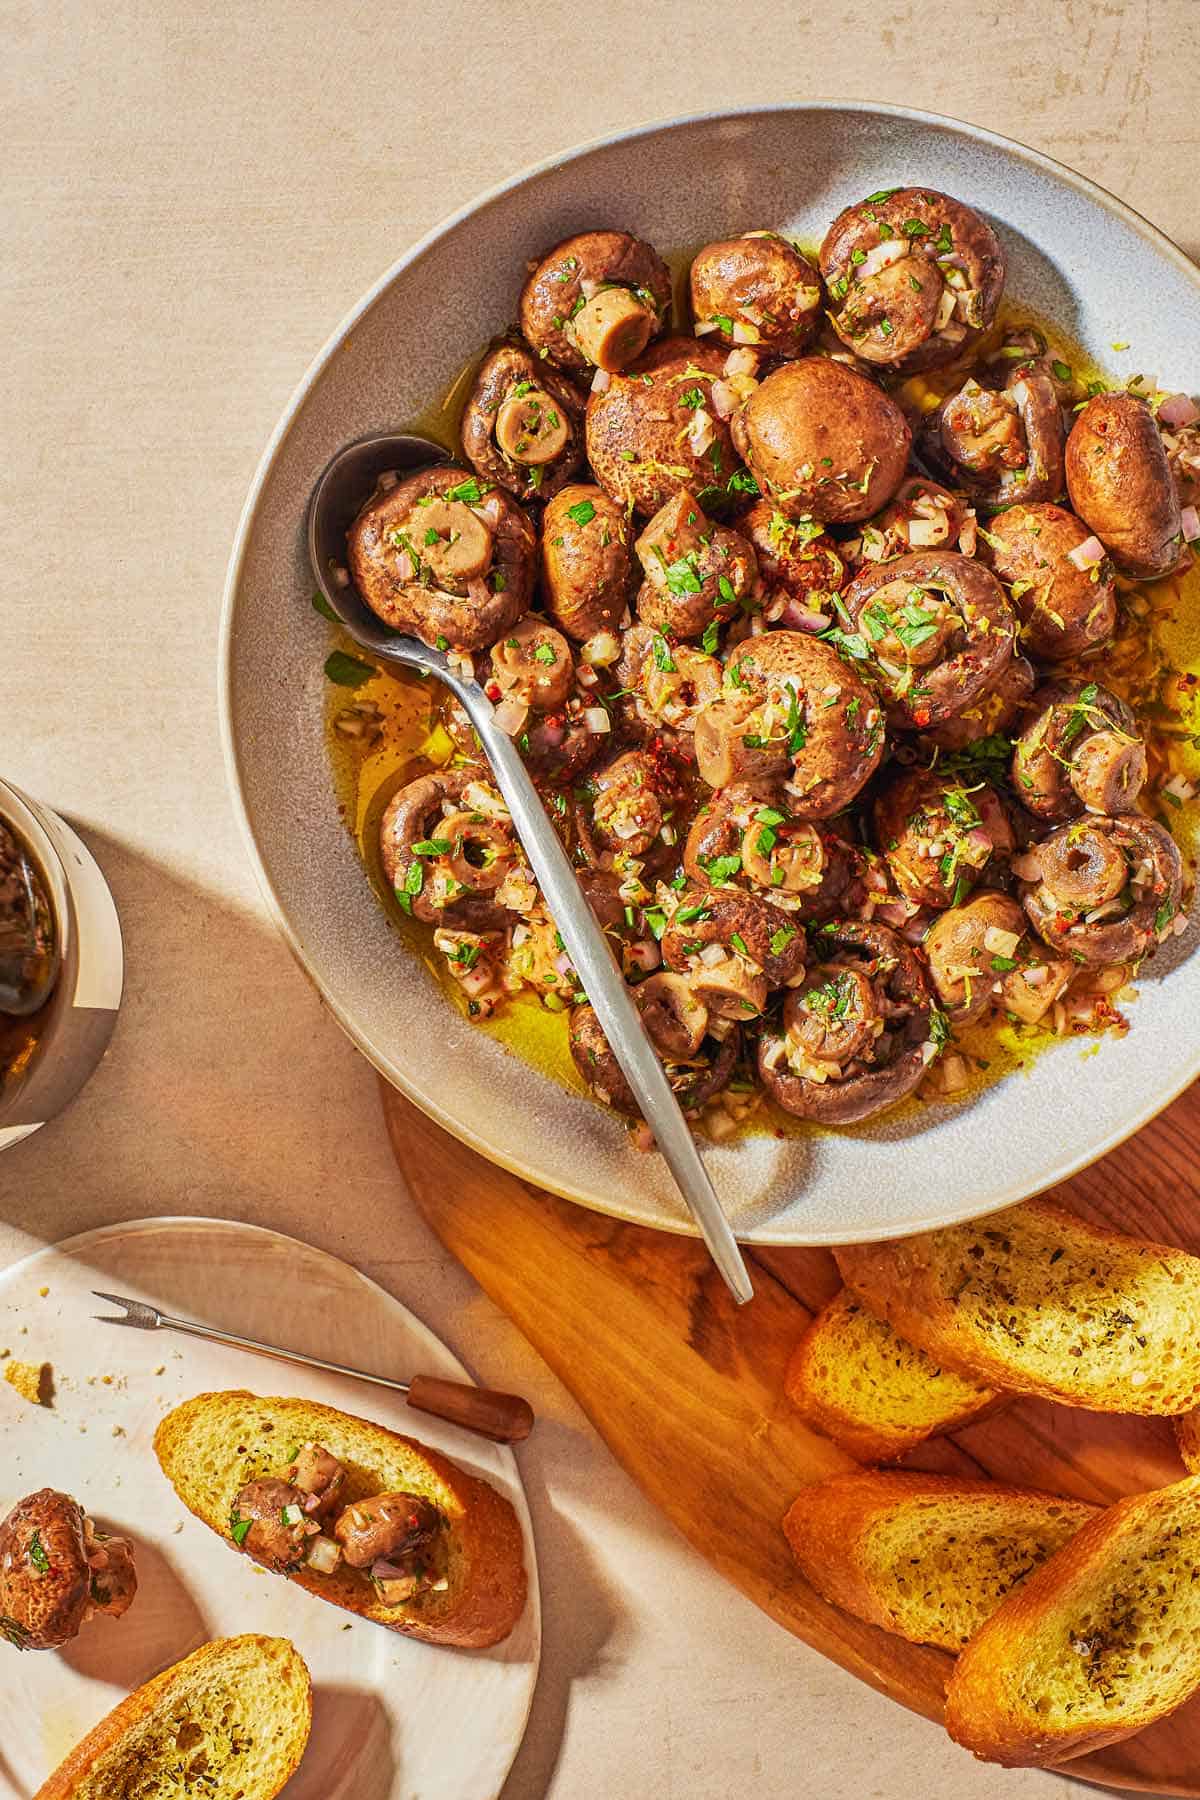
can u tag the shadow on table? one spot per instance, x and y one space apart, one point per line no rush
365 1736
164 1625
218 1052
578 1609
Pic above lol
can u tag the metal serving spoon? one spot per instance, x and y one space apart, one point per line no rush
28 967
342 490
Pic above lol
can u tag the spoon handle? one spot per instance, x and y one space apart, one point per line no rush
589 951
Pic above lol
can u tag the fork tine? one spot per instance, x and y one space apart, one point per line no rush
136 1312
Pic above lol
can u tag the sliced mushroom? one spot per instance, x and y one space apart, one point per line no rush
940 834
822 441
1060 580
1120 482
56 1570
913 276
936 631
587 564
1081 749
921 516
595 301
446 874
654 428
857 1037
757 290
444 557
523 424
1108 891
698 573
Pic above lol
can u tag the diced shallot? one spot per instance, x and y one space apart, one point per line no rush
742 361
724 399
804 618
601 650
923 533
324 1555
889 251
1088 555
601 381
597 720
1189 519
745 333
510 716
712 954
1000 942
700 432
1178 410
1027 866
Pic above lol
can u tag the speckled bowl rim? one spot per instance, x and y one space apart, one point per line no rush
461 1128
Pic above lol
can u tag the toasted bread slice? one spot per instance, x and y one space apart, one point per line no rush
1099 1643
1038 1301
1187 1431
926 1556
877 1396
210 1447
233 1718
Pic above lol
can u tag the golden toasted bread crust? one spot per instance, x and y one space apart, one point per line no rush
865 1413
1056 1619
1040 1301
829 1526
241 1436
276 1658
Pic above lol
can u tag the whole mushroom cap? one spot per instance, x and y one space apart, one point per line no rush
822 441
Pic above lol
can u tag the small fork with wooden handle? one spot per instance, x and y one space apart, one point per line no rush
505 1418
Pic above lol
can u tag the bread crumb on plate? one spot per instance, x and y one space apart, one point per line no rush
33 1381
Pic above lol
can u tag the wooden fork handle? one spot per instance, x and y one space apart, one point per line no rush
505 1418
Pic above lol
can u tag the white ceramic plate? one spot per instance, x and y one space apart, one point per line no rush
1077 256
388 1713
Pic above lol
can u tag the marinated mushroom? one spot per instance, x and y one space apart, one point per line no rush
1107 889
697 573
587 565
735 948
444 557
970 949
533 667
447 846
921 516
822 441
858 1035
698 1051
792 711
914 275
522 425
654 428
799 566
320 1478
743 839
595 301
1081 749
627 811
57 1570
934 629
990 713
940 833
268 1522
665 685
1059 577
1121 485
385 1528
1005 445
757 290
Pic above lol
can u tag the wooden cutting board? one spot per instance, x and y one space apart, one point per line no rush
687 1390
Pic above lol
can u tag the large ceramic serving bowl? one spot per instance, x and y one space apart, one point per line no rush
1076 255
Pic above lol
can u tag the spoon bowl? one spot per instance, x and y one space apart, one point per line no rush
346 483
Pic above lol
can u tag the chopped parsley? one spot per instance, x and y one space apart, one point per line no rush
347 671
583 512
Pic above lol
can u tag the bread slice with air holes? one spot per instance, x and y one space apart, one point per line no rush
1100 1642
1037 1300
210 1447
230 1721
858 1382
926 1556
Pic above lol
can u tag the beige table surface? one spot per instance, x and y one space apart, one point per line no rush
194 195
